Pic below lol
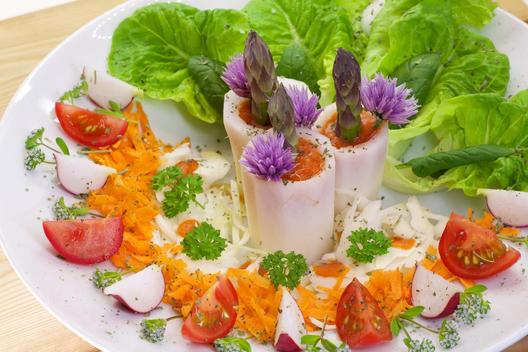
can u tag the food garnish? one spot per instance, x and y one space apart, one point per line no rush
34 154
153 330
268 157
179 190
105 278
76 92
63 212
204 242
387 100
305 106
347 82
235 77
285 269
472 305
232 344
366 244
261 76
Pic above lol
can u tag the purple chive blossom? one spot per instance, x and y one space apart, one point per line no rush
305 106
390 102
267 157
235 77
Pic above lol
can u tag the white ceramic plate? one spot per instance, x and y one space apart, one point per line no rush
65 290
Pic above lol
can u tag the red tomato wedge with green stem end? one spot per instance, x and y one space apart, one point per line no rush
213 315
473 252
360 321
90 128
85 241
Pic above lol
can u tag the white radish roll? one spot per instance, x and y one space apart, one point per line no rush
293 216
238 131
359 169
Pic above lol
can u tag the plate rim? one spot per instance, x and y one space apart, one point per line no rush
512 339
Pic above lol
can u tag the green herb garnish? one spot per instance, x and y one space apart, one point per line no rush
179 190
472 305
76 92
34 154
366 244
204 242
63 212
232 344
285 269
102 279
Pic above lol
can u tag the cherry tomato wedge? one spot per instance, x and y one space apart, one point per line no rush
359 319
213 315
473 252
85 241
88 127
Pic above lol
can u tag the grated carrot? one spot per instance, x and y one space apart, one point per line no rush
403 243
313 306
433 262
392 290
258 303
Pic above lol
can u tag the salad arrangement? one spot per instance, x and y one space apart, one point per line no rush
296 251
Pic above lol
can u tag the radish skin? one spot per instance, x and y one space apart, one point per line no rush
359 168
290 325
511 207
103 88
274 209
81 175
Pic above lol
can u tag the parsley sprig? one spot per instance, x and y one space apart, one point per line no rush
63 212
35 155
232 344
311 343
471 307
204 242
366 244
153 330
285 269
114 110
179 190
76 92
102 279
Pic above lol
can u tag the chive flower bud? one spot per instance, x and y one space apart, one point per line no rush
304 105
235 77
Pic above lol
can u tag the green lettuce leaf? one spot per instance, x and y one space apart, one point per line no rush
153 48
303 36
473 120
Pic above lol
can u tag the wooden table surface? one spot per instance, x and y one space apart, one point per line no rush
24 41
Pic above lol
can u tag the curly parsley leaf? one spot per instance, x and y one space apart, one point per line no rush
285 269
366 244
180 191
34 139
204 242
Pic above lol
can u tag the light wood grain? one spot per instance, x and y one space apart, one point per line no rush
24 41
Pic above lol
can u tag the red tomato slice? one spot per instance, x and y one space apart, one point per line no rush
213 315
85 241
88 127
473 252
359 319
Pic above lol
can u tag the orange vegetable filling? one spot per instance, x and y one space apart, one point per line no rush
244 111
367 130
309 162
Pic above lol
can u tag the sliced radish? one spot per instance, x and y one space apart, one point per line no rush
438 296
85 241
511 207
290 325
103 88
81 175
140 292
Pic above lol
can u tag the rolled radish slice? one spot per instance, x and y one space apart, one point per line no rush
103 88
511 207
294 215
239 131
80 175
359 169
140 292
290 325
